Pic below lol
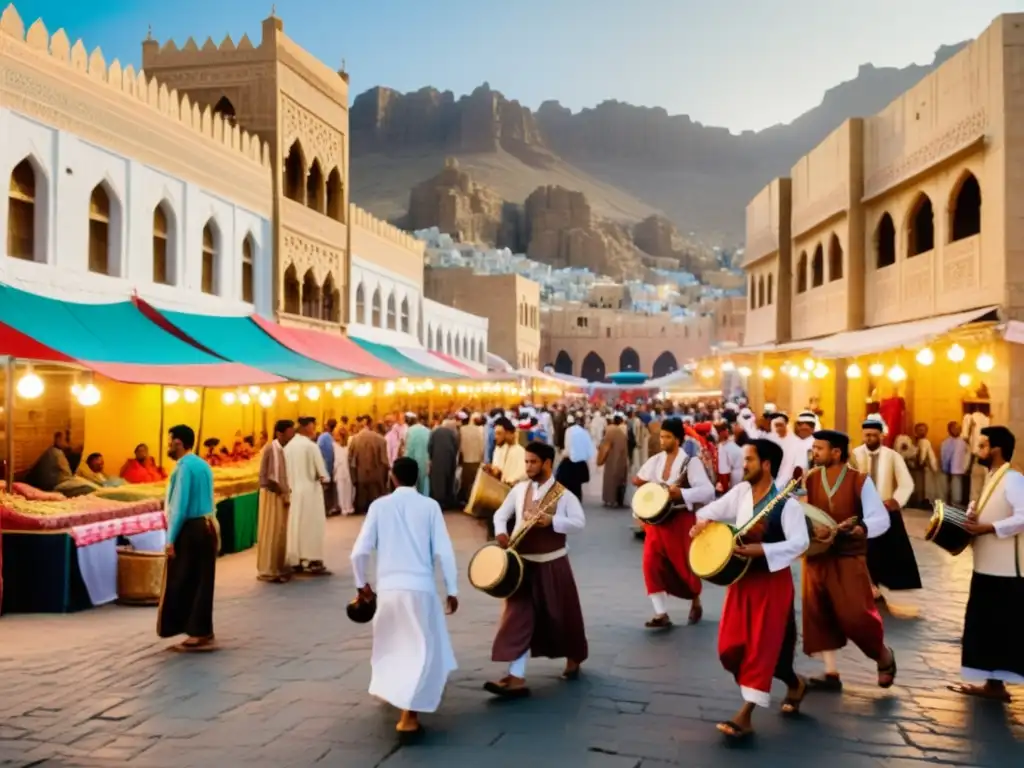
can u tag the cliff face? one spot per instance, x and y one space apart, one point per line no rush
623 157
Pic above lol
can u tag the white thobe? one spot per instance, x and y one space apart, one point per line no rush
307 518
578 444
730 461
793 452
891 477
511 461
412 651
701 490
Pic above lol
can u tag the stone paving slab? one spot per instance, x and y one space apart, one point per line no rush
289 688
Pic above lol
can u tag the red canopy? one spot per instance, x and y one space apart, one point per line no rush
330 349
471 372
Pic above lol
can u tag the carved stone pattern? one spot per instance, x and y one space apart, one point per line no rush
305 254
959 275
760 245
885 296
917 280
951 141
319 140
71 110
212 77
832 204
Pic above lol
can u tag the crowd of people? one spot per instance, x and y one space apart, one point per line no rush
719 462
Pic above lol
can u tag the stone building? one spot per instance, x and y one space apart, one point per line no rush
877 270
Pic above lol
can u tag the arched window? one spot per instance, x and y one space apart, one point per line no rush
211 254
472 349
448 343
248 270
965 209
429 336
801 273
295 174
22 206
310 295
392 313
315 188
360 305
629 360
330 300
818 267
885 242
100 235
162 265
292 291
760 291
405 315
921 233
835 259
335 196
593 367
771 288
752 291
226 109
438 340
375 320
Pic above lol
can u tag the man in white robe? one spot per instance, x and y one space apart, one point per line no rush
412 652
794 454
307 517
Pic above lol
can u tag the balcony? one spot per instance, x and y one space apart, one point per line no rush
820 311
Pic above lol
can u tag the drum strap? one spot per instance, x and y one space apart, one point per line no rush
986 494
547 557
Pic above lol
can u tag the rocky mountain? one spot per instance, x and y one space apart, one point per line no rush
629 162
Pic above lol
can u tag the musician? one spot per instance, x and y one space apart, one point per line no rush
990 652
666 561
757 633
793 454
509 461
891 560
543 618
837 600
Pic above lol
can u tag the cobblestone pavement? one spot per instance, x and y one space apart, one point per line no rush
289 688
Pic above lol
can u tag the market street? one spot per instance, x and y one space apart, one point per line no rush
289 687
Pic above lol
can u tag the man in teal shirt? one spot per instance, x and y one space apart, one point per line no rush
193 541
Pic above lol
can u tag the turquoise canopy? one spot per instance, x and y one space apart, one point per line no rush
397 360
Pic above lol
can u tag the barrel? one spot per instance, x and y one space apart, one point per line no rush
140 576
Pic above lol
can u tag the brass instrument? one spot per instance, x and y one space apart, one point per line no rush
486 496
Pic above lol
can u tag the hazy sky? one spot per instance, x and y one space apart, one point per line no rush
744 64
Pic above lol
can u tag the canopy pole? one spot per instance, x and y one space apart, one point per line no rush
9 435
202 409
160 437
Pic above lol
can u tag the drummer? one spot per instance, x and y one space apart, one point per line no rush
667 545
757 633
543 618
509 461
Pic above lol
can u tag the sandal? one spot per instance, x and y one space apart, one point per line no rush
659 622
405 738
317 568
502 690
982 692
887 672
791 704
571 675
733 733
827 683
696 614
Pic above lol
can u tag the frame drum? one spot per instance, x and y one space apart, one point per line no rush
651 503
815 517
945 528
495 571
712 557
486 495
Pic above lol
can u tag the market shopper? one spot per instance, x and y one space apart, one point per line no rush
193 541
307 524
275 497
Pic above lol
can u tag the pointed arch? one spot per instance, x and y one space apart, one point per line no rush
294 170
104 219
818 267
965 208
360 305
563 363
472 350
248 269
593 367
376 309
801 273
404 315
310 295
448 343
392 312
316 188
165 257
664 365
752 292
438 340
428 334
211 258
335 196
226 109
292 291
835 259
885 242
629 360
920 226
330 300
771 288
760 291
26 211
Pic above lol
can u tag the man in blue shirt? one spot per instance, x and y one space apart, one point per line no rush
193 541
326 445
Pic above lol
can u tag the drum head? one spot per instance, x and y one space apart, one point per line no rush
712 549
487 566
649 500
817 516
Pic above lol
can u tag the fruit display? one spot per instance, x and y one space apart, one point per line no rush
19 513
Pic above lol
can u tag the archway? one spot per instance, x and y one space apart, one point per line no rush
885 242
664 365
966 209
835 259
921 232
292 292
801 273
295 174
311 304
629 360
818 267
593 367
563 363
226 109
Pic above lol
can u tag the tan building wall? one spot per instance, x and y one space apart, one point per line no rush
300 107
724 280
511 304
767 264
387 246
611 295
729 318
591 342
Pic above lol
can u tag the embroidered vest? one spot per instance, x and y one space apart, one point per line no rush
767 530
994 556
844 503
541 541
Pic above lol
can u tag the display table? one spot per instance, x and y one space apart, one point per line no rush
239 518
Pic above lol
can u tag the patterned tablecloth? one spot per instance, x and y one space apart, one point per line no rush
91 533
12 520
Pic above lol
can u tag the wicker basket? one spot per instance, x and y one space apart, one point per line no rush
140 576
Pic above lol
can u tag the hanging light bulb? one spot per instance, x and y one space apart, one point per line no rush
313 393
389 388
964 380
88 395
985 362
793 371
707 373
292 396
767 373
171 396
728 366
336 391
876 369
244 398
228 398
853 371
30 386
76 388
809 364
956 353
266 399
925 356
191 396
254 390
820 371
805 376
896 374
744 371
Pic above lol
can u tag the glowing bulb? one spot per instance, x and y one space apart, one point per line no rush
956 353
853 371
809 364
336 391
744 371
313 393
707 373
266 399
389 388
292 396
254 390
805 376
964 380
728 366
30 386
244 398
171 396
820 371
926 356
88 395
767 373
896 374
985 362
792 371
76 389
876 369
228 398
191 396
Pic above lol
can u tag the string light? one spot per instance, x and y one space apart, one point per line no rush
926 356
956 354
313 393
266 399
88 396
853 371
896 374
964 380
820 371
228 398
244 398
985 362
809 364
767 373
191 396
876 369
30 386
254 390
744 371
171 396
